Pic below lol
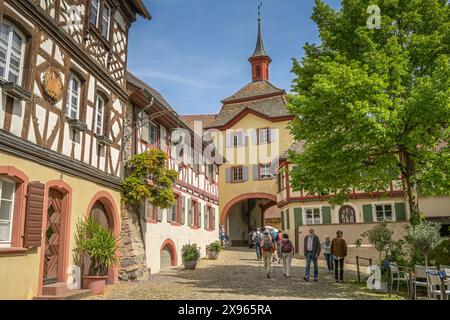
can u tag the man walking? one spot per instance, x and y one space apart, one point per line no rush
267 250
339 251
257 237
287 251
312 252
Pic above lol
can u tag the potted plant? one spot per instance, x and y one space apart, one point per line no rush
380 237
190 254
98 245
214 249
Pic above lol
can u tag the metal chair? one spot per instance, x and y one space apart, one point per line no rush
398 275
436 282
420 275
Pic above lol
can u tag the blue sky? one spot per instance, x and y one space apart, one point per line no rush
194 52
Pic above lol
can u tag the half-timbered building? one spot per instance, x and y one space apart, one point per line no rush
62 106
194 216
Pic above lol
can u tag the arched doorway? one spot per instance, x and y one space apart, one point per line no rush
168 255
245 213
104 210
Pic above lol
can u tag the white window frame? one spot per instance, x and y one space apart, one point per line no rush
22 37
97 12
383 203
238 138
266 136
267 174
70 95
7 243
99 127
105 4
312 208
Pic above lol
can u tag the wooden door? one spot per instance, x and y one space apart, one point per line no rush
166 258
53 236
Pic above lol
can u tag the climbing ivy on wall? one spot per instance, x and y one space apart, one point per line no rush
147 176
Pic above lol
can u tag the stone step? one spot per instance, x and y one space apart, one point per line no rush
55 289
68 295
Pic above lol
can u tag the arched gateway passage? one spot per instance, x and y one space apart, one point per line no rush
244 213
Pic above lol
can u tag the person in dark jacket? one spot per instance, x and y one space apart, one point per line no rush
312 249
339 251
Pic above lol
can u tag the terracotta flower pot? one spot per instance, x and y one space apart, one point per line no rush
190 265
95 283
213 255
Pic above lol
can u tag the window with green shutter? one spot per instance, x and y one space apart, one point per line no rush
326 215
400 211
367 212
298 217
282 220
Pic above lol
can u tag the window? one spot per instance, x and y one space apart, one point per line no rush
102 22
106 20
206 217
7 190
12 43
383 212
312 216
149 132
265 171
237 174
95 7
183 210
150 212
238 139
258 71
281 180
263 136
99 115
191 209
347 214
73 98
159 214
172 212
198 210
213 218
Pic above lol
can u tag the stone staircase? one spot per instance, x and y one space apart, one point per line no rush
59 291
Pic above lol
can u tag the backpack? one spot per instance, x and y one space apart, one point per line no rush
267 244
286 246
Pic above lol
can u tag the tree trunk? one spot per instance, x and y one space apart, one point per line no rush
412 190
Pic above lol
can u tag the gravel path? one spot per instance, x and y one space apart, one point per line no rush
234 276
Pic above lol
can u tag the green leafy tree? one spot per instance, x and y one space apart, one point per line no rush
380 237
424 237
147 177
373 104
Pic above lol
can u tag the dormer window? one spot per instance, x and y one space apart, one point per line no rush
12 43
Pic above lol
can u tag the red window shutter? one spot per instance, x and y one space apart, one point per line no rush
34 215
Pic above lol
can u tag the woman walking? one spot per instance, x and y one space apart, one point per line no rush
287 251
326 247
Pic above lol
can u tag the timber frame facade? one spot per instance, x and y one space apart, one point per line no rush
63 102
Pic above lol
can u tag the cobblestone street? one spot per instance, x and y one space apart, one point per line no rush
235 275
